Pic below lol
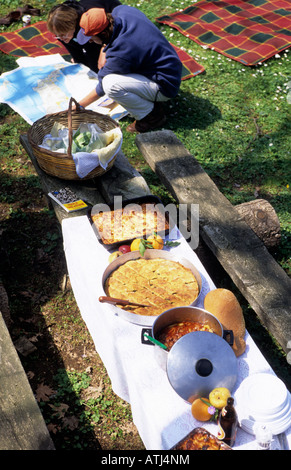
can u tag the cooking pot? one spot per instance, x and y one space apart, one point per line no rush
199 361
180 314
146 320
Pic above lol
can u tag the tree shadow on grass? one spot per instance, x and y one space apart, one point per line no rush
32 269
191 112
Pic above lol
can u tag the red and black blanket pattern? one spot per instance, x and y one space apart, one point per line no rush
36 40
248 31
33 41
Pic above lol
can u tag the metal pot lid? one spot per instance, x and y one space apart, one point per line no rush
199 362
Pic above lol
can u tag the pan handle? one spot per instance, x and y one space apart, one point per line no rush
228 336
144 339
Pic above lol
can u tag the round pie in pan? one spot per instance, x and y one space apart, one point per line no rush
159 283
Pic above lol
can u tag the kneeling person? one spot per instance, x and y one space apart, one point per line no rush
141 68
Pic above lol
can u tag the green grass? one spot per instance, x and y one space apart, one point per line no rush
75 407
234 119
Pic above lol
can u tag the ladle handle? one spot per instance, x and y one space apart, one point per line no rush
112 300
152 340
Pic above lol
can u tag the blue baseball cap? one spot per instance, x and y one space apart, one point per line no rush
82 38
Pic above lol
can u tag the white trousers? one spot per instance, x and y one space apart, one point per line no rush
134 92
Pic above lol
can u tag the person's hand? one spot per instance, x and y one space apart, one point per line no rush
74 107
101 59
90 98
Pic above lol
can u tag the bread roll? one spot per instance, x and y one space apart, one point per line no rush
223 304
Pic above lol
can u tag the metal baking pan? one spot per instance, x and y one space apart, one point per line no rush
146 320
149 199
205 441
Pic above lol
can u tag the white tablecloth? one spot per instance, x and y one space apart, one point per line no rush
160 415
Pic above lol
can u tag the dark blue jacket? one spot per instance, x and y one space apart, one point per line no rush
138 46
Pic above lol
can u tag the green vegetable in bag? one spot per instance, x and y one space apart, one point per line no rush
82 139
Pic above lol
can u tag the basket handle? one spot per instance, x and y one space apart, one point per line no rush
78 108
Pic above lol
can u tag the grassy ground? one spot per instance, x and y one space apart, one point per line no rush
235 121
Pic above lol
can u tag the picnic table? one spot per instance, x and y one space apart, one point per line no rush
161 416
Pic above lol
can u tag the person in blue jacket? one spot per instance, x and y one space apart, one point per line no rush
68 15
141 70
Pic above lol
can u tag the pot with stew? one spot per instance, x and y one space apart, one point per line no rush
175 323
198 355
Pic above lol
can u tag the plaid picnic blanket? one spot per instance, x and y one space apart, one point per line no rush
190 66
248 31
36 40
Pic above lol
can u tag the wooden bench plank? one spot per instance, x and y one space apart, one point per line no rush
22 426
242 254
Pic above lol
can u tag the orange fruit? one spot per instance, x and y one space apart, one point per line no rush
156 241
135 244
199 410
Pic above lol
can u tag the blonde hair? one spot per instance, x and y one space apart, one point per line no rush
62 19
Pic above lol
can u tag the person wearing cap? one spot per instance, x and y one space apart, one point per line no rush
142 69
63 21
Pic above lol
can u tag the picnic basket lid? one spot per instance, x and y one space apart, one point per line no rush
62 165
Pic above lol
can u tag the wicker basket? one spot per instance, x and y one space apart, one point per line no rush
62 165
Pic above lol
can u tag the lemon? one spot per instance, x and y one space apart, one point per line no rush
218 397
135 245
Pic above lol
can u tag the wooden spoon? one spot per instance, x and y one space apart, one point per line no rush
112 300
